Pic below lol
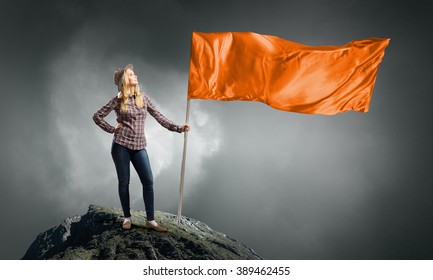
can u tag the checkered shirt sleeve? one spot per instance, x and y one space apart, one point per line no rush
99 116
160 118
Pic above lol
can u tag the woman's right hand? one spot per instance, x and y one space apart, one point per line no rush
119 126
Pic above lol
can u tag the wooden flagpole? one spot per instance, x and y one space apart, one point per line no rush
182 172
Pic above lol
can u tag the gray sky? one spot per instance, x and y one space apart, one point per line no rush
291 186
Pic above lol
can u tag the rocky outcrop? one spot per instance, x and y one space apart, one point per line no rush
98 235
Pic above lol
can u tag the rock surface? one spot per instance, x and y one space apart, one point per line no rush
98 235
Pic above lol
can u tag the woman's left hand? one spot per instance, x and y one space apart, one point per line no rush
185 127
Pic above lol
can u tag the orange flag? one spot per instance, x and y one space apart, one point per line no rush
283 74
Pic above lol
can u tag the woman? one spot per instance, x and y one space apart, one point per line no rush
131 107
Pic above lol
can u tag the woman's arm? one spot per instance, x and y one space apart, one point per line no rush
160 118
99 116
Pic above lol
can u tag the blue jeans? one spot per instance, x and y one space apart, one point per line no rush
122 156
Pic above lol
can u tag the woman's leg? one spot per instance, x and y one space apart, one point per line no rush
141 163
121 158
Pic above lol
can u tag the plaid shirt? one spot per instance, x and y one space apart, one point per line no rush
131 135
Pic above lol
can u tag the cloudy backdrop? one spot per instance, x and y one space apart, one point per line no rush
291 186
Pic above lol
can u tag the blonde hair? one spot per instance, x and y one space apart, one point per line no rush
128 91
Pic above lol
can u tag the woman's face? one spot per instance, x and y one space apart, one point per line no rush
132 78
